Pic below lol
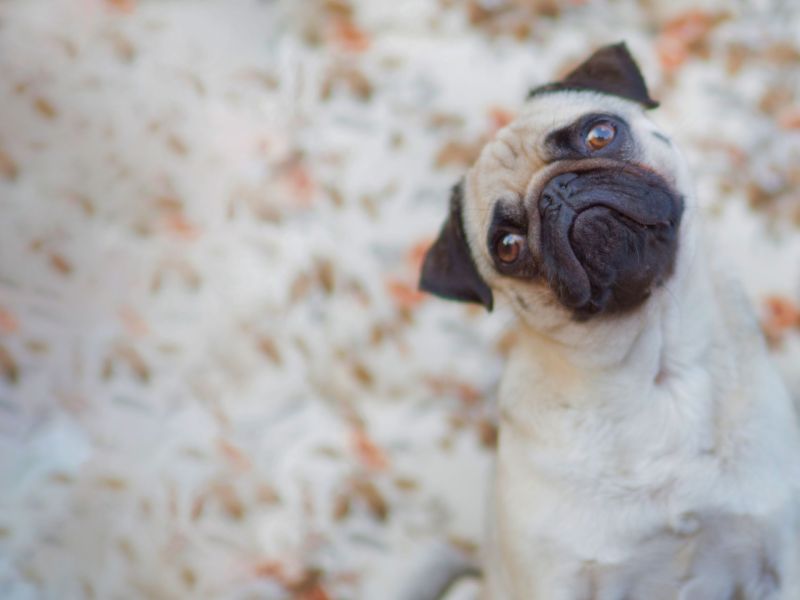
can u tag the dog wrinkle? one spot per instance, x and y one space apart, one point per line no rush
511 150
501 151
660 136
521 301
507 150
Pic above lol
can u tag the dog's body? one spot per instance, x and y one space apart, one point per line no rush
647 447
652 464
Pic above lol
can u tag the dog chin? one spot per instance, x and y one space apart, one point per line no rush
608 238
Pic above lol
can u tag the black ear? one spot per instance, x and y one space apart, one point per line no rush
449 270
610 70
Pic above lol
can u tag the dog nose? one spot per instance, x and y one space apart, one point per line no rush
557 192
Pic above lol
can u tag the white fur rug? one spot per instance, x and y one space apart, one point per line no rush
217 378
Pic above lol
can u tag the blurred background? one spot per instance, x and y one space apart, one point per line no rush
217 377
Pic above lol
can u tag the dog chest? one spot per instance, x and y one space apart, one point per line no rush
555 540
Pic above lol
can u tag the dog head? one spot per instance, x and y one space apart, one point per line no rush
574 210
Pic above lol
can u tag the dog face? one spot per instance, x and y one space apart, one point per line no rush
574 210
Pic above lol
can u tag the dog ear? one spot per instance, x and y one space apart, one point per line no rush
449 270
610 70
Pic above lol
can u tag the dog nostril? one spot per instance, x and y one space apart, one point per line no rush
565 179
546 202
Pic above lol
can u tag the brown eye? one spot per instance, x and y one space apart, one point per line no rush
509 247
601 135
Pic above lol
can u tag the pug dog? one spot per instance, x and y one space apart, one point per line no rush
648 449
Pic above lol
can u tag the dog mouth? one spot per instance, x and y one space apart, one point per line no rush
608 237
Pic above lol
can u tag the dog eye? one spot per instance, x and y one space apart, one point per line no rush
509 247
601 135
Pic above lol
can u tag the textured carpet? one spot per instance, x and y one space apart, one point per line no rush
217 378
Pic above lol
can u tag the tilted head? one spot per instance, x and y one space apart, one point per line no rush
574 210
